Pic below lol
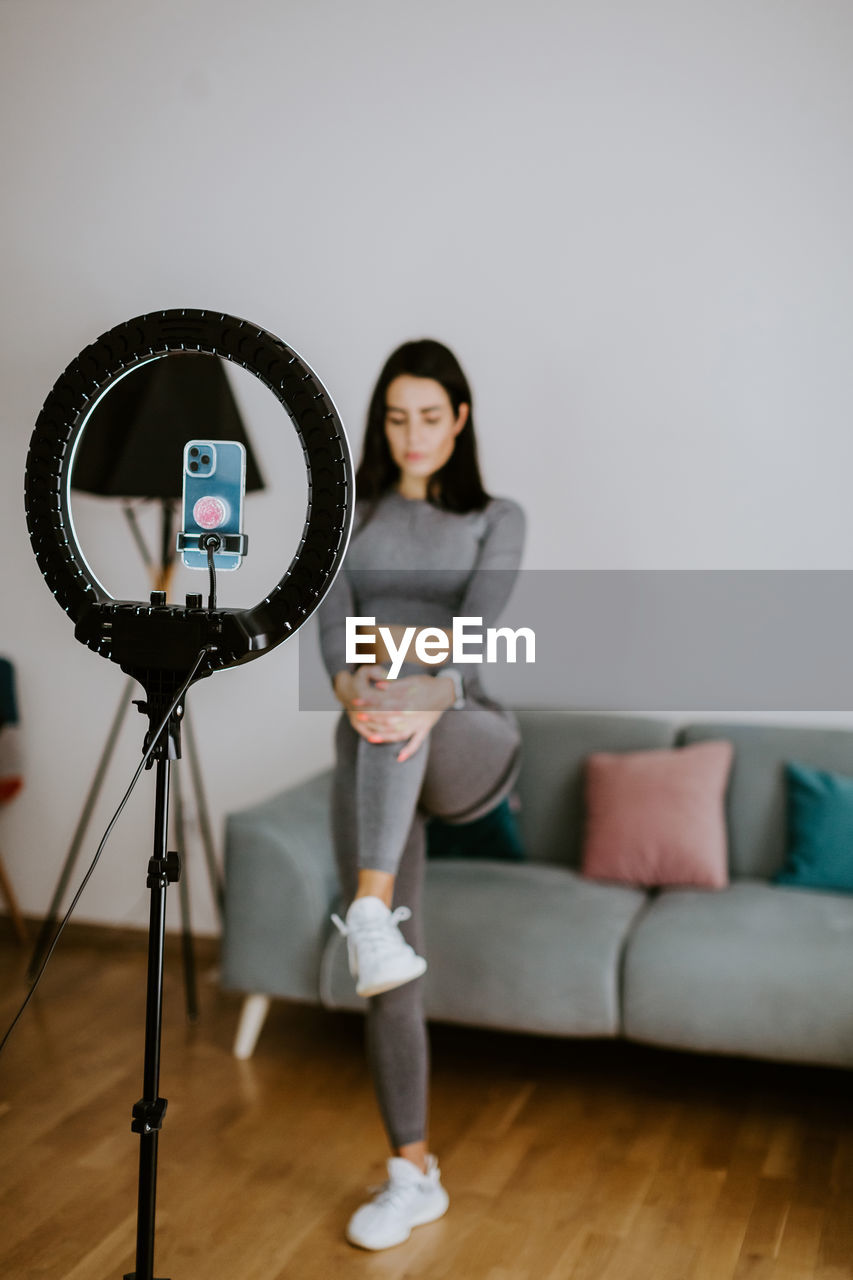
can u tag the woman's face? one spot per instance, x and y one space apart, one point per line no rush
420 425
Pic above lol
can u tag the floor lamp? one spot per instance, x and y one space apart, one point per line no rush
132 451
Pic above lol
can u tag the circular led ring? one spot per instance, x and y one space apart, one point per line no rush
75 395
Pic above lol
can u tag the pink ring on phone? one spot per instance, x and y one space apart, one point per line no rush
211 513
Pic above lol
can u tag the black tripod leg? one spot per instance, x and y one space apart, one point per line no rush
49 923
216 885
148 1112
190 984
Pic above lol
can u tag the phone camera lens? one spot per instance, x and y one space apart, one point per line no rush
193 453
193 466
205 457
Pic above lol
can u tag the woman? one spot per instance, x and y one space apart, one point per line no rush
426 538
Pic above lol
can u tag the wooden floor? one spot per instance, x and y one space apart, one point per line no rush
564 1160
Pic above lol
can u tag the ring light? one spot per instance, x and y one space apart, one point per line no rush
150 639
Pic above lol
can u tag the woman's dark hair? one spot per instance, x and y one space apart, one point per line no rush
457 485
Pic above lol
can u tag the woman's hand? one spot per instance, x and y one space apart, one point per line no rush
355 691
405 708
383 710
353 688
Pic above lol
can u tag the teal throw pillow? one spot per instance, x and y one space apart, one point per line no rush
819 852
495 835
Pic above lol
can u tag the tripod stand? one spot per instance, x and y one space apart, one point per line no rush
164 868
161 575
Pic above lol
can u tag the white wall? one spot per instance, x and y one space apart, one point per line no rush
633 222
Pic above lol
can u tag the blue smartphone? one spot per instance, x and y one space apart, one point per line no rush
214 484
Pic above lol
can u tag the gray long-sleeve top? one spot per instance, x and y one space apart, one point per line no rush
412 564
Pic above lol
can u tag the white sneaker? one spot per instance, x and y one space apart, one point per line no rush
408 1199
379 956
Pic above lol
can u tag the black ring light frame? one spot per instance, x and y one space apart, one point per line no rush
167 647
154 642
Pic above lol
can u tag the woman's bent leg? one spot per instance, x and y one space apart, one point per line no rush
374 797
387 791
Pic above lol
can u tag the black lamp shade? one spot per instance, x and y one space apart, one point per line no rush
133 443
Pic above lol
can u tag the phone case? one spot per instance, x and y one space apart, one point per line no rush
214 484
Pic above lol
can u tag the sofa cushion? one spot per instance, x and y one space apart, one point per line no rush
656 817
755 801
513 946
819 853
754 969
554 747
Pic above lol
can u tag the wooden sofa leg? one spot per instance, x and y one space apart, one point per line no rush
252 1017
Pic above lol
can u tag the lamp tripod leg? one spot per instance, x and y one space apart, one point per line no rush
49 923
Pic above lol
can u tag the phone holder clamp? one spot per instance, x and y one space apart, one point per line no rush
237 542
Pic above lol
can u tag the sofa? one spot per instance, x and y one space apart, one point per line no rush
755 968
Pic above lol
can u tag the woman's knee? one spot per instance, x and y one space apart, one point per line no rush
457 787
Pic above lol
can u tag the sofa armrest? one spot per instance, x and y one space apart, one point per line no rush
281 883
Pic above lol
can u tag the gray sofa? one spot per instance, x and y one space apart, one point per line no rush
756 969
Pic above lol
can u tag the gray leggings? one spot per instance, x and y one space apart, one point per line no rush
465 767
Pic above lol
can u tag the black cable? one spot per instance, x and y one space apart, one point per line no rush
154 740
211 544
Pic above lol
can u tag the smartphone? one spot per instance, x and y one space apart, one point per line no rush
214 484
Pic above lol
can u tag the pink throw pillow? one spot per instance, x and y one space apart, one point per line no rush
656 817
